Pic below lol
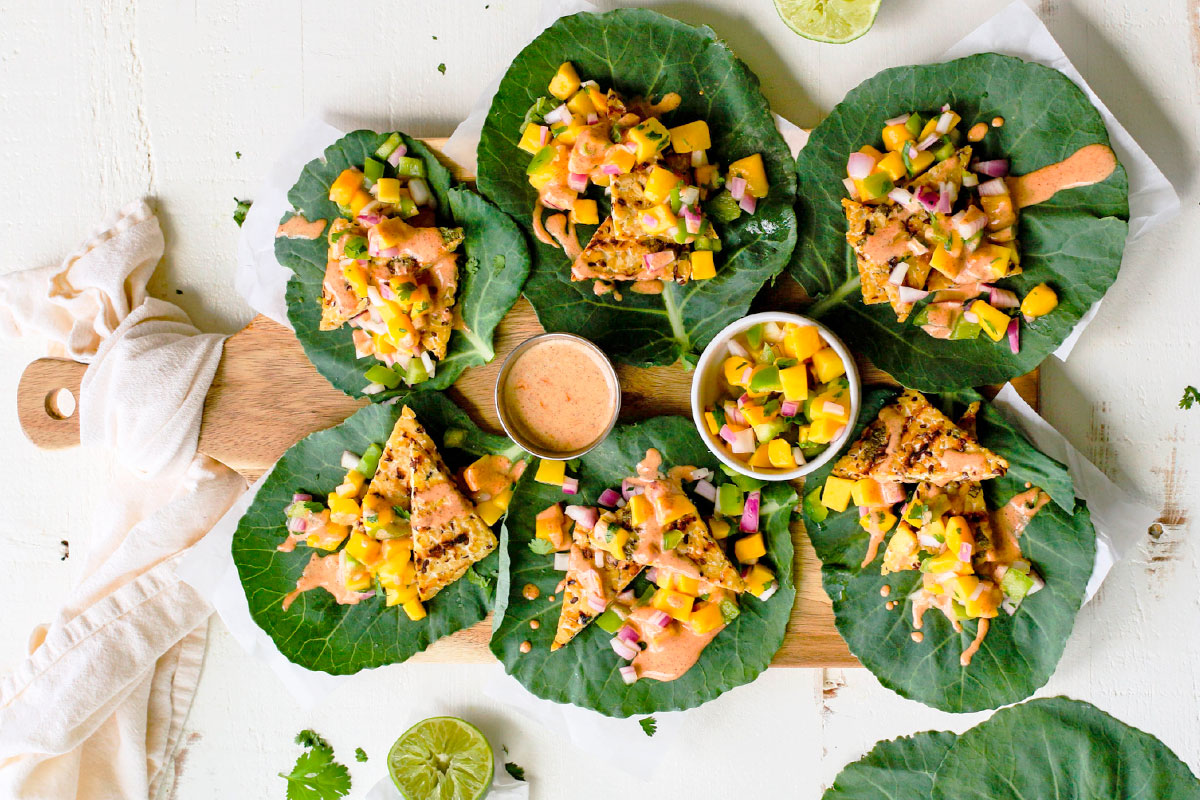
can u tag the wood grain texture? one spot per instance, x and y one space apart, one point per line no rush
266 395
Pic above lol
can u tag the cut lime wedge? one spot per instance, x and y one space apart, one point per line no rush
833 21
441 758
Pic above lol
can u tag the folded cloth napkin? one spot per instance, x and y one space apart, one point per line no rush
97 708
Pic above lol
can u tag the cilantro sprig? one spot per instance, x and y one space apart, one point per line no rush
1190 395
649 725
316 776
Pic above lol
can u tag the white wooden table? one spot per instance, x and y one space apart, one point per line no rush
103 102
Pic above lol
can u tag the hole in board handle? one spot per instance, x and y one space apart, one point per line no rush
60 404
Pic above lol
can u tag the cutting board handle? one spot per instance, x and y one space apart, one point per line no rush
48 402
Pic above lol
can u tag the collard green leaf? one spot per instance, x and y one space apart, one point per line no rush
1061 748
585 671
1020 652
1073 241
493 265
897 769
640 52
315 631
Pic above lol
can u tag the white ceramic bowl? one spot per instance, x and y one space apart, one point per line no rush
706 387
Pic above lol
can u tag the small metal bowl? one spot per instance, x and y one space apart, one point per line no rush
514 430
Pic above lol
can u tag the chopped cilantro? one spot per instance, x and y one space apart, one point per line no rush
238 153
310 738
360 754
1190 395
541 547
442 68
516 770
239 213
316 776
649 725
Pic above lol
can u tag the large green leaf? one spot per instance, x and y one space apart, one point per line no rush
1073 241
315 631
491 272
1020 652
897 769
585 671
1064 749
640 52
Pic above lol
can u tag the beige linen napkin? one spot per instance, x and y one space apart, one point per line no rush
96 709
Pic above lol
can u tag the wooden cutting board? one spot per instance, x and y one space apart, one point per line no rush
267 395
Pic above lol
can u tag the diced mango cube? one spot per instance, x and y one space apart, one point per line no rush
649 136
947 562
548 525
757 415
828 364
356 276
363 548
414 609
343 510
710 422
752 169
750 549
703 265
581 104
880 519
825 430
689 137
659 219
894 136
759 579
867 493
565 81
621 158
360 200
684 583
795 382
958 533
706 175
706 617
1000 211
893 165
720 527
734 368
640 509
779 451
920 162
343 188
901 553
676 604
945 262
388 190
1040 301
993 321
659 184
761 458
670 507
584 212
802 341
836 493
551 472
534 138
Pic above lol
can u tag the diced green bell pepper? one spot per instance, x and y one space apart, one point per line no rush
409 167
372 169
609 622
388 147
1016 584
945 149
877 185
964 330
369 461
416 372
383 375
813 506
730 500
729 610
671 539
766 380
915 125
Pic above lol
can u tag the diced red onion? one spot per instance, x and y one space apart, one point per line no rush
747 373
577 181
743 442
859 165
690 196
833 409
996 168
851 189
928 197
979 589
916 248
898 120
1002 298
593 118
584 516
625 651
562 561
1021 565
300 497
911 295
390 252
658 260
798 457
560 114
943 123
736 348
428 362
898 273
598 560
706 490
1038 584
945 106
628 674
770 592
789 408
971 316
902 196
728 434
964 552
734 414
420 191
385 291
928 541
373 388
928 142
609 498
749 522
699 158
1014 335
970 179
297 524
349 460
692 223
701 474
628 635
863 511
545 135
996 186
570 485
659 619
629 488
748 203
652 575
397 154
737 187
966 229
610 169
945 198
627 596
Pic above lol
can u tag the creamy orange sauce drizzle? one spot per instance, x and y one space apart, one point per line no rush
539 229
559 395
980 632
557 227
646 287
297 227
1089 164
323 572
669 102
672 651
440 503
1010 521
886 243
977 132
876 539
491 475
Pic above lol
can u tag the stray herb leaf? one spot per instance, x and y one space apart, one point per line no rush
516 770
442 68
239 213
317 776
360 754
477 579
1190 395
238 153
541 547
310 738
649 725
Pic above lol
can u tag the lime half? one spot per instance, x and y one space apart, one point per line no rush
833 21
441 758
